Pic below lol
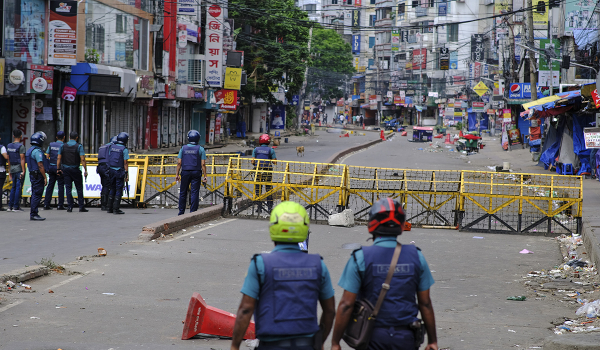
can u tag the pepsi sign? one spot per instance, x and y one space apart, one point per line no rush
521 91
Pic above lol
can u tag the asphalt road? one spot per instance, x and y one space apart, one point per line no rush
152 283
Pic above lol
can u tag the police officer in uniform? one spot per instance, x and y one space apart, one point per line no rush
362 278
37 173
282 289
264 157
117 156
192 164
70 156
102 171
52 171
16 157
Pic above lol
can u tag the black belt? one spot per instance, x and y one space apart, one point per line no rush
289 343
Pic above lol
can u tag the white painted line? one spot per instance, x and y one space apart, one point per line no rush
2 309
199 230
69 280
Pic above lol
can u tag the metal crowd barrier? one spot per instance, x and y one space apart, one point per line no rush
467 200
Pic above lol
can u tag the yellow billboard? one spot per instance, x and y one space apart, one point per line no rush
233 78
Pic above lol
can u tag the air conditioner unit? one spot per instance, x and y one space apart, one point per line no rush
195 72
488 2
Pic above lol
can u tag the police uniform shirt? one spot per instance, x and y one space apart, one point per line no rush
351 279
17 167
79 149
271 154
38 155
201 152
48 150
251 285
2 153
125 157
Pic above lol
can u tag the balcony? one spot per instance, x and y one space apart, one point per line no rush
384 22
384 3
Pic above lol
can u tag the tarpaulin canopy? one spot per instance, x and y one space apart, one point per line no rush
550 102
581 121
552 145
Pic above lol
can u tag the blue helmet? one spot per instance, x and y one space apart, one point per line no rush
38 139
193 137
60 134
122 138
113 140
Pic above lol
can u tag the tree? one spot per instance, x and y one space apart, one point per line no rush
332 64
274 37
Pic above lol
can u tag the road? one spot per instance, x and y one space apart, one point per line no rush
152 282
65 236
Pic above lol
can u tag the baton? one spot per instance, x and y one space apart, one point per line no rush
127 187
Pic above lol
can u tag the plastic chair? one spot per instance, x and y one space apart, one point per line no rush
564 169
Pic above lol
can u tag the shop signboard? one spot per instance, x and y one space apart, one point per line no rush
478 106
214 45
592 137
62 28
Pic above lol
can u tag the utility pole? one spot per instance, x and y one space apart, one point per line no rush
378 85
531 55
305 83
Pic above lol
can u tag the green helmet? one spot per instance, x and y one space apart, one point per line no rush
289 223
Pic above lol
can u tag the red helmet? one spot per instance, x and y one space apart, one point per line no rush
264 139
386 218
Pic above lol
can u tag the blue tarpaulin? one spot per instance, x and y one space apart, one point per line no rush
552 146
472 121
581 121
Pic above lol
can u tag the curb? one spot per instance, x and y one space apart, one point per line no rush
24 274
164 227
590 341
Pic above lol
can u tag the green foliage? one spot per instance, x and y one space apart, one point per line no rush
275 45
332 64
291 118
92 56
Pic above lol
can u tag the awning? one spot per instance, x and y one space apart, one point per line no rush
550 102
358 76
81 72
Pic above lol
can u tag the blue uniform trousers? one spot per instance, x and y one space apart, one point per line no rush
392 338
193 177
116 183
73 175
102 170
15 191
53 178
37 190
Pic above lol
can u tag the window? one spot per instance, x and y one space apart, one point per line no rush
311 8
372 2
119 51
401 8
415 3
334 2
453 32
371 42
431 3
372 19
349 2
121 24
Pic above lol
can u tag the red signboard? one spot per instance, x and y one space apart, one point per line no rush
596 98
419 60
227 99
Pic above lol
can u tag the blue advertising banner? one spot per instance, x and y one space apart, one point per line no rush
356 44
442 9
454 60
522 91
278 117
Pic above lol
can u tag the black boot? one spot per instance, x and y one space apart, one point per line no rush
109 204
103 201
117 205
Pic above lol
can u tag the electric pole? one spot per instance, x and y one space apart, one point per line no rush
531 55
304 84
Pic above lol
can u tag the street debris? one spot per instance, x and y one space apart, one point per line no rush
574 282
525 251
517 298
108 293
101 251
345 218
477 237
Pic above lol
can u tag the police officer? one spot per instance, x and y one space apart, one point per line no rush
117 156
37 173
70 156
282 289
52 171
362 278
264 157
192 164
16 157
102 171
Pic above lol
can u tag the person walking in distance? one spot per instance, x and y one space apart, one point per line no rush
16 156
4 163
282 289
52 171
191 167
37 173
118 154
102 171
70 156
397 326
